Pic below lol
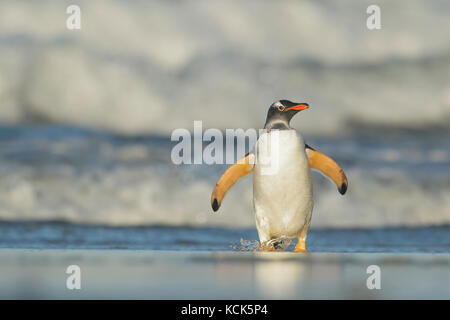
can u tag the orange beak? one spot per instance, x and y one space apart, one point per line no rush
299 107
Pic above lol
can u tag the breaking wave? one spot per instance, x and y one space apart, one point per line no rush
135 69
58 173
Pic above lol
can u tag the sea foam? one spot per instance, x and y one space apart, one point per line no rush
148 67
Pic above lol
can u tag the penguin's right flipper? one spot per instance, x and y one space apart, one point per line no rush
319 161
238 170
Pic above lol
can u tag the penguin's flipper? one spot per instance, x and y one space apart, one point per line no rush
317 160
239 169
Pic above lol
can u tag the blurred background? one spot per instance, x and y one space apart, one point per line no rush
86 115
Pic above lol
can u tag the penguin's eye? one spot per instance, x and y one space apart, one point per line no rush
281 108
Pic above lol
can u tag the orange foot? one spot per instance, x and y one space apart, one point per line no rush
301 246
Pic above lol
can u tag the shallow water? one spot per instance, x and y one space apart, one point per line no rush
150 274
58 235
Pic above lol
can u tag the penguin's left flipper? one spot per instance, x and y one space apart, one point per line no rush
239 169
317 160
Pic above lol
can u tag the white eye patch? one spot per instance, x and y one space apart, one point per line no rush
279 106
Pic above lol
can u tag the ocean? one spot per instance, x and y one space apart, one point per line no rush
86 116
69 236
68 187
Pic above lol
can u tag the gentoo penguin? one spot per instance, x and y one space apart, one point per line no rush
282 189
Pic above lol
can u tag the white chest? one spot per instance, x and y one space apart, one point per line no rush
282 190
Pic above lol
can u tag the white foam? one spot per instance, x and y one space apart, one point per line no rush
128 185
152 66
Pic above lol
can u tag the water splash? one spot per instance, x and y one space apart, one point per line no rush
280 244
246 245
277 244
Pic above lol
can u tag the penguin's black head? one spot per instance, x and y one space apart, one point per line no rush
281 112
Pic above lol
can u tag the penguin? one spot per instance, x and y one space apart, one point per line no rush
281 163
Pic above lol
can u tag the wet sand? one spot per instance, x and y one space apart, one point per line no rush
135 274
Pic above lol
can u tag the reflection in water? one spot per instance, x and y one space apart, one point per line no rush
115 274
277 278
